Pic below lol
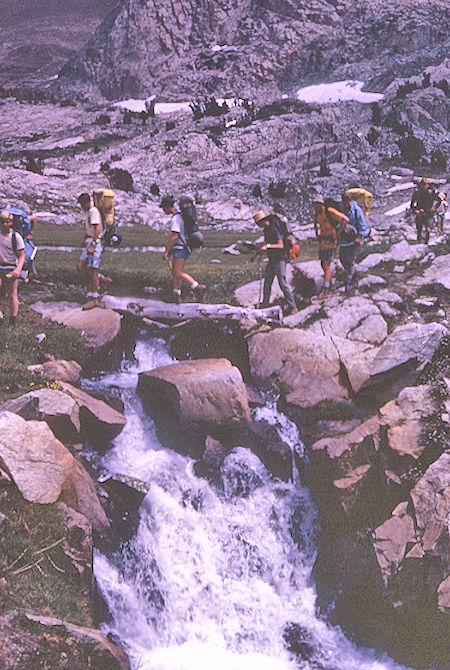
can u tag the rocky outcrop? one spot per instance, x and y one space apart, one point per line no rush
199 397
44 470
58 409
227 47
412 343
100 327
382 502
71 413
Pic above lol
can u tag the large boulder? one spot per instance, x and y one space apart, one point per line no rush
411 343
57 408
100 327
98 420
205 396
44 470
70 412
30 454
306 364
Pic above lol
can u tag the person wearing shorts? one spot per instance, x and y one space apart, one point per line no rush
178 248
327 222
12 259
91 255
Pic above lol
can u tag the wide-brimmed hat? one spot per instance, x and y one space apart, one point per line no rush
260 216
318 197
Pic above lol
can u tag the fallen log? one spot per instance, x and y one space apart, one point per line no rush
157 309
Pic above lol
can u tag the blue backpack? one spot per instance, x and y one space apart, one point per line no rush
22 225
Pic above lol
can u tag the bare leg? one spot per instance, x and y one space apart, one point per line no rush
13 297
93 281
179 275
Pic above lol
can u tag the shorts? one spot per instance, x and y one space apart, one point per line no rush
181 252
92 259
5 270
327 254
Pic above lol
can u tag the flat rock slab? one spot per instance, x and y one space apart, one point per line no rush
207 395
99 326
438 272
406 343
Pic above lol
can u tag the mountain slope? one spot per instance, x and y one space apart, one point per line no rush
230 47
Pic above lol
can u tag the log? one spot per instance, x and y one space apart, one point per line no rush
157 309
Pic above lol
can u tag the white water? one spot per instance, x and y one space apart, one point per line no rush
215 573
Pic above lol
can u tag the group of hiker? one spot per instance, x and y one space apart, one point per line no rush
340 225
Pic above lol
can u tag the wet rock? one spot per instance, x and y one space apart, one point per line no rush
100 327
98 420
204 396
273 452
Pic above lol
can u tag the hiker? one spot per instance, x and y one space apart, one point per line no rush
177 247
89 262
442 207
327 223
423 205
12 259
351 237
278 257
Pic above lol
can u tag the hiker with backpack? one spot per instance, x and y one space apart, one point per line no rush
424 203
328 222
12 259
24 225
184 237
351 237
92 244
278 255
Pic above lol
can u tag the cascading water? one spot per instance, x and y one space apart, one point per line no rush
217 577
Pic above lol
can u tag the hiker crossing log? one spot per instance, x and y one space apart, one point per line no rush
157 309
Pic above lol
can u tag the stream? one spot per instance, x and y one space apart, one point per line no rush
217 576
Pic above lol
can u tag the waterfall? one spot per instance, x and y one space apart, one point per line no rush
218 576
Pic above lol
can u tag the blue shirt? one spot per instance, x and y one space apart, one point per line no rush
358 220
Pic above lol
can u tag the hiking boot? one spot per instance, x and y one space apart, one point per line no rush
91 304
291 311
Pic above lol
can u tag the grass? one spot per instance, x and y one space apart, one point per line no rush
26 530
133 270
130 271
20 348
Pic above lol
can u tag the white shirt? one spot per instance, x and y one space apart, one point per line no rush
7 256
93 219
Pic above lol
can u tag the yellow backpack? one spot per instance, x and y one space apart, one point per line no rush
104 201
363 198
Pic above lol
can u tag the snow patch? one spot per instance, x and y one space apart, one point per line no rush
337 91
